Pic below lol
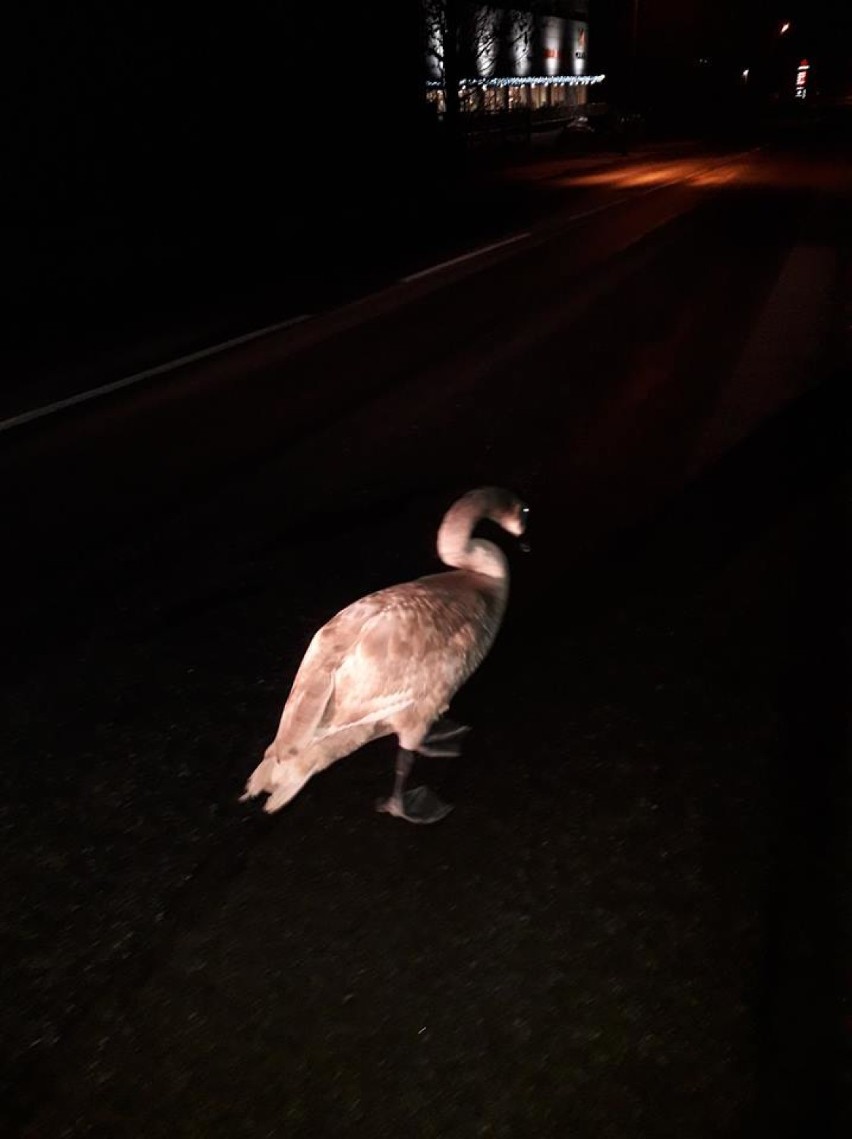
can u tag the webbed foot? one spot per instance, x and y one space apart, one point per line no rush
420 805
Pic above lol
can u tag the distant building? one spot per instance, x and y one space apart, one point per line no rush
506 58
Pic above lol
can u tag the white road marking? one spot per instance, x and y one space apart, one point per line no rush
138 377
600 209
465 257
204 353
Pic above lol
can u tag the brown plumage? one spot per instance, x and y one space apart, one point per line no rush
391 662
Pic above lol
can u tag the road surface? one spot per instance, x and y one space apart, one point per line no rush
634 922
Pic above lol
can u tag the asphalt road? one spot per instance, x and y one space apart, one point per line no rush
635 922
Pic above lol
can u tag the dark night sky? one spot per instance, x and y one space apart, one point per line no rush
740 31
202 110
247 107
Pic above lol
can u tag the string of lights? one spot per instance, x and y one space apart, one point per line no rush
526 81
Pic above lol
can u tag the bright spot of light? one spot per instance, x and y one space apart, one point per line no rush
487 42
785 27
522 42
745 74
551 34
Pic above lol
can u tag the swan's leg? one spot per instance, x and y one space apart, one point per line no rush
417 806
444 739
444 728
404 763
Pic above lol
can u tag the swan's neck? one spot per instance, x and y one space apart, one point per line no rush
457 548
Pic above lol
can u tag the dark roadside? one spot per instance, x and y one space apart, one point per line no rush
637 920
93 302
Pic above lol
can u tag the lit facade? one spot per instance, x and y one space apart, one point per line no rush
509 59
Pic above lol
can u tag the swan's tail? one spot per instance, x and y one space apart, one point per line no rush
280 779
260 779
281 774
290 760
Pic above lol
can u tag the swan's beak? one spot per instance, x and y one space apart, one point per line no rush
523 520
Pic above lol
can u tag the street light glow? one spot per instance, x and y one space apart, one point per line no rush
785 27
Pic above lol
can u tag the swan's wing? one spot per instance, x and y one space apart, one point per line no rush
411 644
332 662
405 645
308 703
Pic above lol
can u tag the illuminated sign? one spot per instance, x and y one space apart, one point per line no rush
578 39
802 79
552 31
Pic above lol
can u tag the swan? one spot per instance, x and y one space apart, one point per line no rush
390 663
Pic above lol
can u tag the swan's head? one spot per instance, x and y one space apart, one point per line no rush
455 545
505 508
516 520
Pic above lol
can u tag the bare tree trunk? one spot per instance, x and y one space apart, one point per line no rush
453 61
